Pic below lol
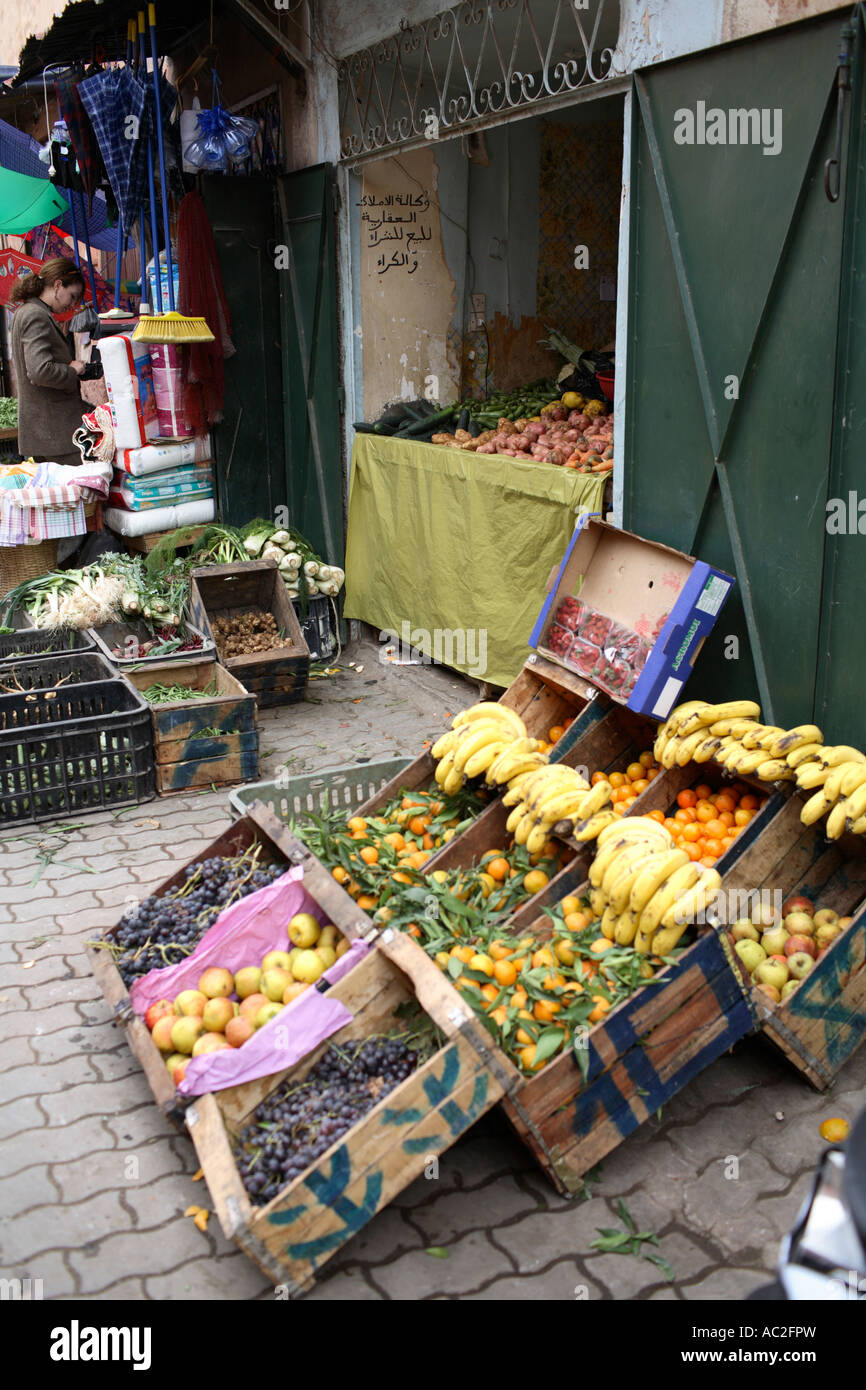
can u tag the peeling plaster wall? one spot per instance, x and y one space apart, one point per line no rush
21 18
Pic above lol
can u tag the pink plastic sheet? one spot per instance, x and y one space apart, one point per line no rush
242 935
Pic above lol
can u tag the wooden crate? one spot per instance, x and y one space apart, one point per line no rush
295 1234
278 677
184 757
278 846
542 694
639 1056
823 1022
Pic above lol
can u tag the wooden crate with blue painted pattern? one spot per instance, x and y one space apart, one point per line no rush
401 1138
639 1056
822 1022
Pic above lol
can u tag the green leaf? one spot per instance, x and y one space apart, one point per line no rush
438 1252
550 1041
581 1056
660 1261
612 1242
455 968
624 1214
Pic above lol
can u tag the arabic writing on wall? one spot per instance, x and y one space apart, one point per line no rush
398 219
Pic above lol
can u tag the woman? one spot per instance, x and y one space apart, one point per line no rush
46 369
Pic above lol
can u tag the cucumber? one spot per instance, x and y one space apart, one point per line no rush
432 423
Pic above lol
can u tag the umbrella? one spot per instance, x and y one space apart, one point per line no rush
20 154
26 203
81 135
112 99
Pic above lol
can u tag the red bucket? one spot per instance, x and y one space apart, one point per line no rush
606 384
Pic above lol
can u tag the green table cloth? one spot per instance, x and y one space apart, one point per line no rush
450 552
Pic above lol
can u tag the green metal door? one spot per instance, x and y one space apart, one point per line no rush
315 477
734 305
249 442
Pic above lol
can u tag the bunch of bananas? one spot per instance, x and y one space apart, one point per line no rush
556 800
836 774
488 738
733 736
646 891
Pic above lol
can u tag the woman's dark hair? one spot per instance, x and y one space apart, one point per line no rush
59 268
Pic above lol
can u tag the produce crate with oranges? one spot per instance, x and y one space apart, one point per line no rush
297 1163
167 927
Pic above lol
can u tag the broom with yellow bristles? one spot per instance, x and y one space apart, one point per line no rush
171 327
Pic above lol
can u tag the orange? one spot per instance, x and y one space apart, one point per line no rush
522 1036
683 816
695 852
546 1010
370 855
749 802
600 945
703 792
713 847
727 818
418 824
357 823
706 813
358 835
652 773
556 732
490 992
464 953
551 982
500 1015
419 859
518 962
527 1059
414 930
657 816
686 798
573 988
499 950
709 861
401 878
617 779
518 998
726 802
504 972
647 759
535 880
691 832
395 840
835 1131
577 921
543 957
410 801
602 1006
672 825
367 902
596 778
428 842
727 842
498 869
481 962
634 771
340 874
640 785
742 816
570 904
715 828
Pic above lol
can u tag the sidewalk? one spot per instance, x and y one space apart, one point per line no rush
94 1183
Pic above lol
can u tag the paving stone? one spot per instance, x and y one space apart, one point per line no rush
50 1267
156 1252
112 1066
387 1235
625 1276
143 1123
563 1281
728 1284
52 1227
230 1276
42 997
33 908
31 1187
45 1080
124 1291
471 1262
162 1198
124 1169
20 1115
55 1145
729 1210
454 1213
98 1098
544 1236
343 1286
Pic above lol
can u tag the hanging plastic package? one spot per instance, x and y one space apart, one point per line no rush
221 140
189 133
169 390
129 381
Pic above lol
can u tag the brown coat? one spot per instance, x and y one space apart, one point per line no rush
49 393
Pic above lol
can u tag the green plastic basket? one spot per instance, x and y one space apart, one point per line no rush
337 788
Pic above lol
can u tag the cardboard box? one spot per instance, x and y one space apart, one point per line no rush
665 601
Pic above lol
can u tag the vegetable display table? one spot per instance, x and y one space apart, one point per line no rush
451 551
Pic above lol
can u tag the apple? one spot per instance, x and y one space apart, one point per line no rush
771 993
308 967
239 1031
210 1042
327 954
343 945
190 1003
825 917
745 930
252 1004
248 981
751 953
217 983
788 988
328 936
798 904
844 922
765 916
180 1071
797 944
827 933
162 1031
293 990
275 982
773 941
771 972
186 1033
158 1011
276 960
304 930
176 1059
267 1012
799 964
800 924
217 1014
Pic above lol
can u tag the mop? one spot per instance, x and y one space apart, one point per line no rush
171 327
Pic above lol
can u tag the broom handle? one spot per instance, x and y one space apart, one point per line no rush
74 219
151 20
151 186
89 256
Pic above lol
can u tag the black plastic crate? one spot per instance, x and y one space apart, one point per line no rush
73 749
54 671
317 627
116 634
31 642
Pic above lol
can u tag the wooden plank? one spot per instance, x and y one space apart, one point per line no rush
197 749
230 589
242 766
418 775
205 1123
